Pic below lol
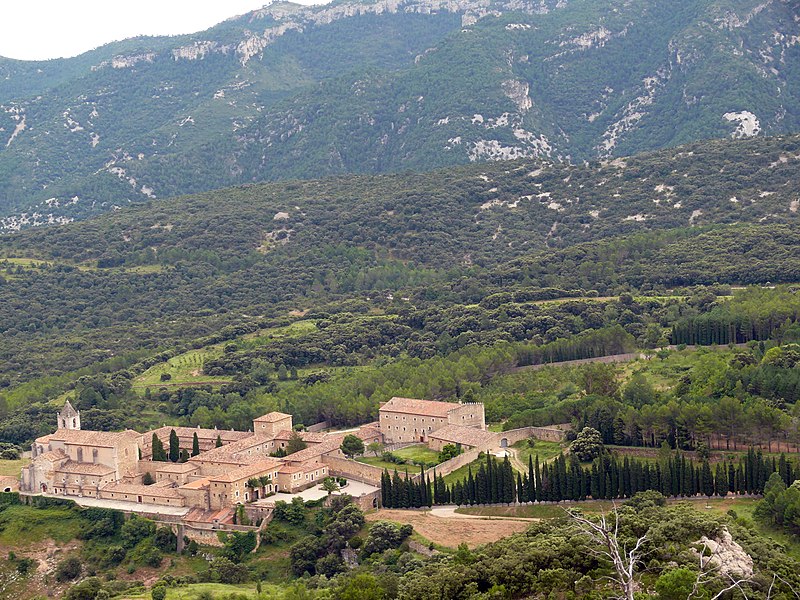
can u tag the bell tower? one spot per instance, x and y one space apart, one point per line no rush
69 418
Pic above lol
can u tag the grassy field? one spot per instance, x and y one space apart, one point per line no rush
12 468
462 472
24 525
546 451
419 453
185 368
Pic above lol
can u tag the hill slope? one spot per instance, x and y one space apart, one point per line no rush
292 91
170 271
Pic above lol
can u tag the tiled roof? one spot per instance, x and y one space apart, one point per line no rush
312 437
367 432
202 434
248 471
53 455
169 467
331 444
272 417
427 408
467 436
284 435
196 485
105 439
291 469
81 468
235 453
142 490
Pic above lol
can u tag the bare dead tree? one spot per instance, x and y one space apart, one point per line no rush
605 537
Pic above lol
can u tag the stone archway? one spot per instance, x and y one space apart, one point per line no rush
44 488
504 443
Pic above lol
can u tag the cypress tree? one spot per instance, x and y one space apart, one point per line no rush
537 481
397 492
595 481
531 496
174 446
469 490
508 481
707 479
195 445
428 495
386 489
158 449
481 495
218 443
721 480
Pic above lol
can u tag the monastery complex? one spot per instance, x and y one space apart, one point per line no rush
231 468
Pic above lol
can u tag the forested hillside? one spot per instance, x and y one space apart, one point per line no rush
291 91
173 271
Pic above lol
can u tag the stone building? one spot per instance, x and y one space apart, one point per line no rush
409 420
79 463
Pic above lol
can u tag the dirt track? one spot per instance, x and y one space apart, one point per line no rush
452 531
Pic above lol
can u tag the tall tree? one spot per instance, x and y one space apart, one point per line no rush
158 449
174 446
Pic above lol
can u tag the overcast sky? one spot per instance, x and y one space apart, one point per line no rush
41 29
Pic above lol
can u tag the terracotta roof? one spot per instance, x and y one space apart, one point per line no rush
291 469
169 467
53 455
202 434
248 471
85 468
426 408
105 439
366 432
141 490
467 436
235 453
331 444
196 485
272 417
284 435
44 440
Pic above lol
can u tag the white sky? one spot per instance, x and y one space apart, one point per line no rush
41 29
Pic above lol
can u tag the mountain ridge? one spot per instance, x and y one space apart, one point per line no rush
296 92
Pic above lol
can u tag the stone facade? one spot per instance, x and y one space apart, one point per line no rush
409 420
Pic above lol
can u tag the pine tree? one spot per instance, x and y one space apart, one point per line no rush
195 445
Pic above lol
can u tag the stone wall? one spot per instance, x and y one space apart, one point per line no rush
547 434
457 462
352 469
317 427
